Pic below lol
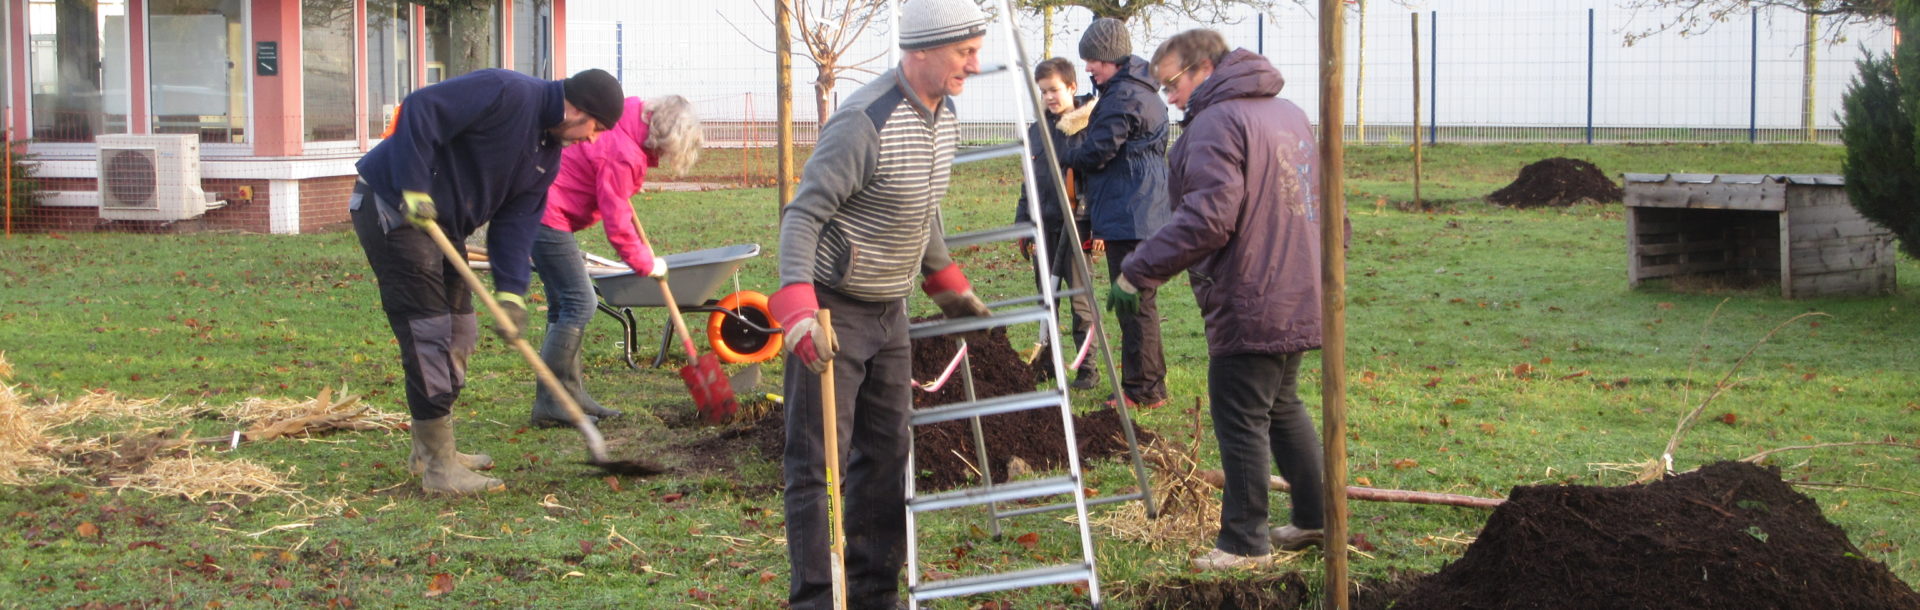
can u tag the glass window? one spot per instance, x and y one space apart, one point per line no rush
77 68
533 37
197 51
461 41
389 60
326 56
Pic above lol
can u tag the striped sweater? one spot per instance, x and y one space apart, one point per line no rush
867 214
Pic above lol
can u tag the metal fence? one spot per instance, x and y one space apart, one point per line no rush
1488 73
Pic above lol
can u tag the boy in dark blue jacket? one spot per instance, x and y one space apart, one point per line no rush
477 149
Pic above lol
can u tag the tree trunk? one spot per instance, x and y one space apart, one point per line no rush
1807 70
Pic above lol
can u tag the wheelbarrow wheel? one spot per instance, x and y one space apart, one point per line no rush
738 342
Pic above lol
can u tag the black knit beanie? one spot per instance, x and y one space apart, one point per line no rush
596 93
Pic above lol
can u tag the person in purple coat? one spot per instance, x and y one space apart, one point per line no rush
1243 184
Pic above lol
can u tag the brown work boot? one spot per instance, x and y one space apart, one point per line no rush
443 472
1217 560
1290 538
417 461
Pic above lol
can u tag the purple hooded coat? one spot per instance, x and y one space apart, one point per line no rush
1244 186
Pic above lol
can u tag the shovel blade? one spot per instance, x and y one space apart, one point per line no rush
712 393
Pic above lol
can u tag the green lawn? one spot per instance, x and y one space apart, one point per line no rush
1487 348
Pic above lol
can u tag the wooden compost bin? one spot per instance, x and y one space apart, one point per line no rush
1799 228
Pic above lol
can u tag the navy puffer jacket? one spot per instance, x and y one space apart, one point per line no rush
1123 156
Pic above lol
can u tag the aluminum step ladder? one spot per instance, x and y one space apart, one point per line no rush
1041 309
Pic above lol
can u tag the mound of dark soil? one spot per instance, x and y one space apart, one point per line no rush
944 452
1557 182
1286 591
1730 535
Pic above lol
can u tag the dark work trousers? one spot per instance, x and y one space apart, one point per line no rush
1258 419
428 306
872 376
1143 368
1081 305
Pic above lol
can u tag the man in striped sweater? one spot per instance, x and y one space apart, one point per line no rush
865 221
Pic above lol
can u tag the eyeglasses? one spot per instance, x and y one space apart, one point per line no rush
1166 85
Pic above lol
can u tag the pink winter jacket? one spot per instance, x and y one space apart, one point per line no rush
597 182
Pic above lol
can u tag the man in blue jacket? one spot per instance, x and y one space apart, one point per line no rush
1245 181
479 149
1123 156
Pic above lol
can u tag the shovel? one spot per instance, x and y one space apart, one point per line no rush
712 391
596 446
830 435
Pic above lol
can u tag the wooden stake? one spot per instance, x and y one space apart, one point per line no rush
1416 112
1333 299
783 79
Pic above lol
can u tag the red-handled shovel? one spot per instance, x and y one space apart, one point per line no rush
712 391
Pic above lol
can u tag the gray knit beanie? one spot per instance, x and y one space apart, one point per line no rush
925 24
1106 40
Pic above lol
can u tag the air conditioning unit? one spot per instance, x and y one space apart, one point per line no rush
151 177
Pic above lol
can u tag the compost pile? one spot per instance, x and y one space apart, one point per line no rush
944 452
1557 182
1730 535
1033 436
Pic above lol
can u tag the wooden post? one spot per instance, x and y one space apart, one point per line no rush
1807 69
1416 112
1333 299
1360 79
783 79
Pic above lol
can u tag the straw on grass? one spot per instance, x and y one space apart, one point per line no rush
194 476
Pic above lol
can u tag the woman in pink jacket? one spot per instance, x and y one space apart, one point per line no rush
597 182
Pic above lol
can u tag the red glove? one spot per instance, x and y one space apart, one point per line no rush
950 290
795 307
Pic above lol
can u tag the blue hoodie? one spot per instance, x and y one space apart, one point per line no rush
477 143
1123 156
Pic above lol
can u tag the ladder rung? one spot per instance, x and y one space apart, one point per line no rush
987 583
986 152
1091 502
966 325
1029 300
1007 233
1005 492
990 406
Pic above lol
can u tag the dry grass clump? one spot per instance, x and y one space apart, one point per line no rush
1189 508
24 443
194 476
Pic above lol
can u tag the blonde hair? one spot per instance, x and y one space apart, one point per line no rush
673 133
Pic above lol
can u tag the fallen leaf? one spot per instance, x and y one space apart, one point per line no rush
1574 375
1433 382
1367 376
1486 428
1522 370
586 547
1363 481
1807 377
1664 305
147 543
766 577
1359 541
87 529
672 497
1729 419
442 583
613 482
1405 463
699 594
1028 540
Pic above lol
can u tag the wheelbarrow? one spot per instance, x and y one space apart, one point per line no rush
740 326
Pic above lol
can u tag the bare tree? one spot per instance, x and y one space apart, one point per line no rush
1207 11
827 31
1697 16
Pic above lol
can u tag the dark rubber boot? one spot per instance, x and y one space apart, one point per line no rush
561 352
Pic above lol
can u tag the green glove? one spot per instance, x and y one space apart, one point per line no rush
1122 298
515 307
419 207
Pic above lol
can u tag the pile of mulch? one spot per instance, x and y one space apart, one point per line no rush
1730 535
1558 182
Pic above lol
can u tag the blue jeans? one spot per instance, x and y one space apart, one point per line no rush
570 300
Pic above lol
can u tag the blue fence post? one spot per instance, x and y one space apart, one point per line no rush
1260 35
1590 75
1753 80
619 52
1433 77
